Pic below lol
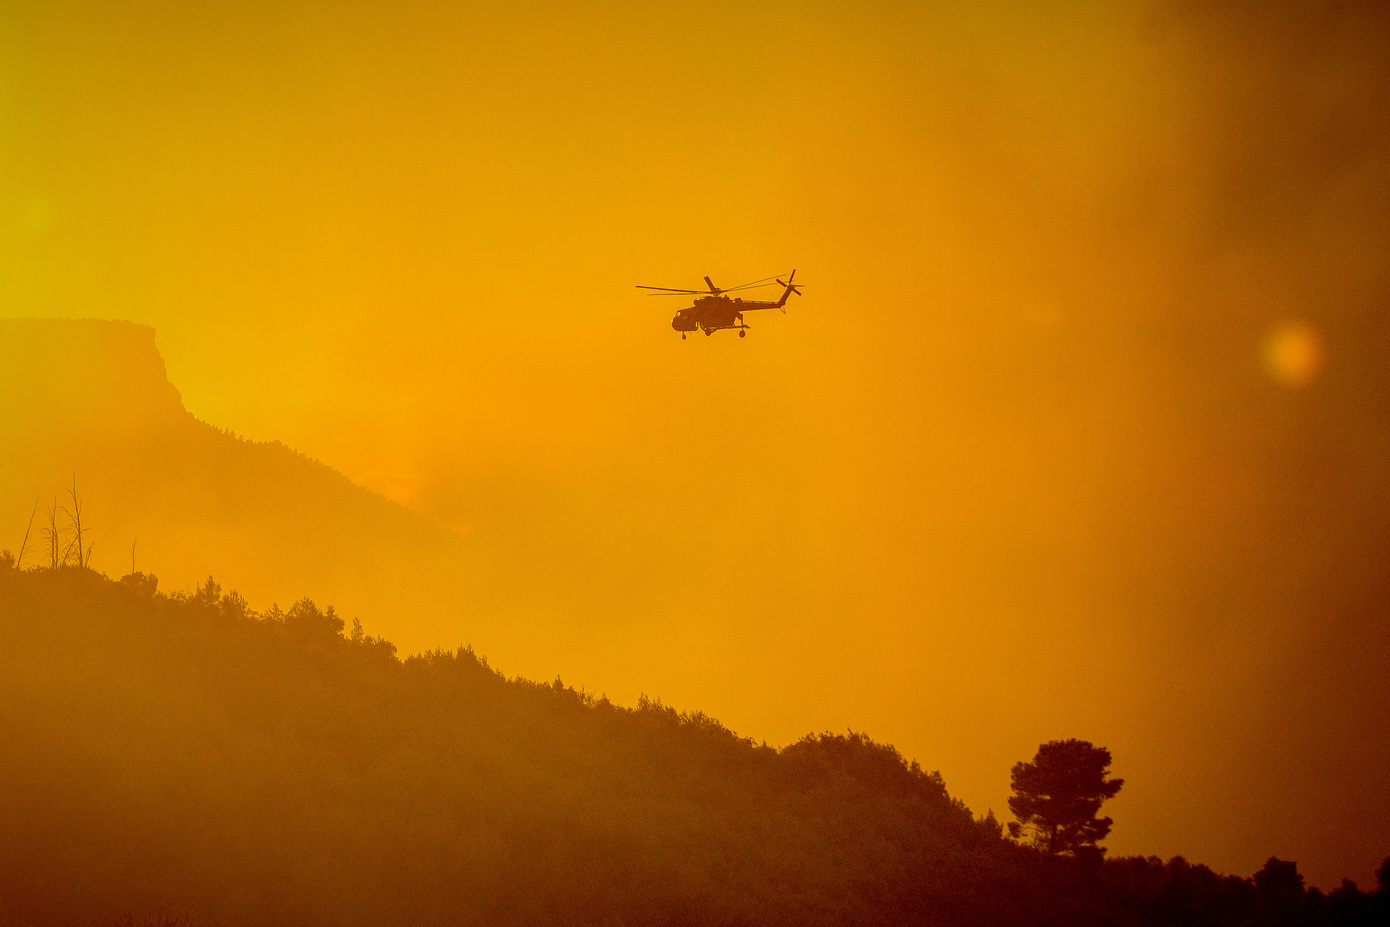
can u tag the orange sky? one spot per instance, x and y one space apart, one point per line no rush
1079 430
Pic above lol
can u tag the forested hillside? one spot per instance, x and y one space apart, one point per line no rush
181 753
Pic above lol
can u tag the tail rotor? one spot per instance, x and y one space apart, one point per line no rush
791 287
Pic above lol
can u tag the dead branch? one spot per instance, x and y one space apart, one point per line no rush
19 562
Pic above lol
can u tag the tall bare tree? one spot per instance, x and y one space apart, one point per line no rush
82 549
59 548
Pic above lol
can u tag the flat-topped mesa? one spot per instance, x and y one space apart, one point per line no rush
91 373
89 403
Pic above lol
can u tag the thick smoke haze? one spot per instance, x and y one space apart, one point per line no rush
1080 429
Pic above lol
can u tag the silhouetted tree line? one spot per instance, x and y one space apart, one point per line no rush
183 753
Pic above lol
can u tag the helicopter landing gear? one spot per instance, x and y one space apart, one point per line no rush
742 333
682 336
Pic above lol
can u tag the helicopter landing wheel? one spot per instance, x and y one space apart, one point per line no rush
682 336
742 333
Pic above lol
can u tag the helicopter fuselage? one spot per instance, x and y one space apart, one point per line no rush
715 313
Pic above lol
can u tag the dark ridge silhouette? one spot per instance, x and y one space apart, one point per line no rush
183 754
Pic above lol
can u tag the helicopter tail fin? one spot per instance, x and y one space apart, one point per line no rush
791 288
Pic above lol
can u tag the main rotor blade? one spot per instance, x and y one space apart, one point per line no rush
668 289
747 286
753 283
690 293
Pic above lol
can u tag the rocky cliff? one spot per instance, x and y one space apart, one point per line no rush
91 398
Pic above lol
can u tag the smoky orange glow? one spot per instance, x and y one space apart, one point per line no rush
1079 430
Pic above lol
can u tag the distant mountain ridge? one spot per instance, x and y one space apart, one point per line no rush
92 397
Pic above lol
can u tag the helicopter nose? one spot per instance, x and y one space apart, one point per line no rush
682 324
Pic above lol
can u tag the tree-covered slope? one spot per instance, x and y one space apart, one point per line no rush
179 752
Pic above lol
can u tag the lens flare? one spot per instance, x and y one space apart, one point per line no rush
1294 354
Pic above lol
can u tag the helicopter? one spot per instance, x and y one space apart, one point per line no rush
713 311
